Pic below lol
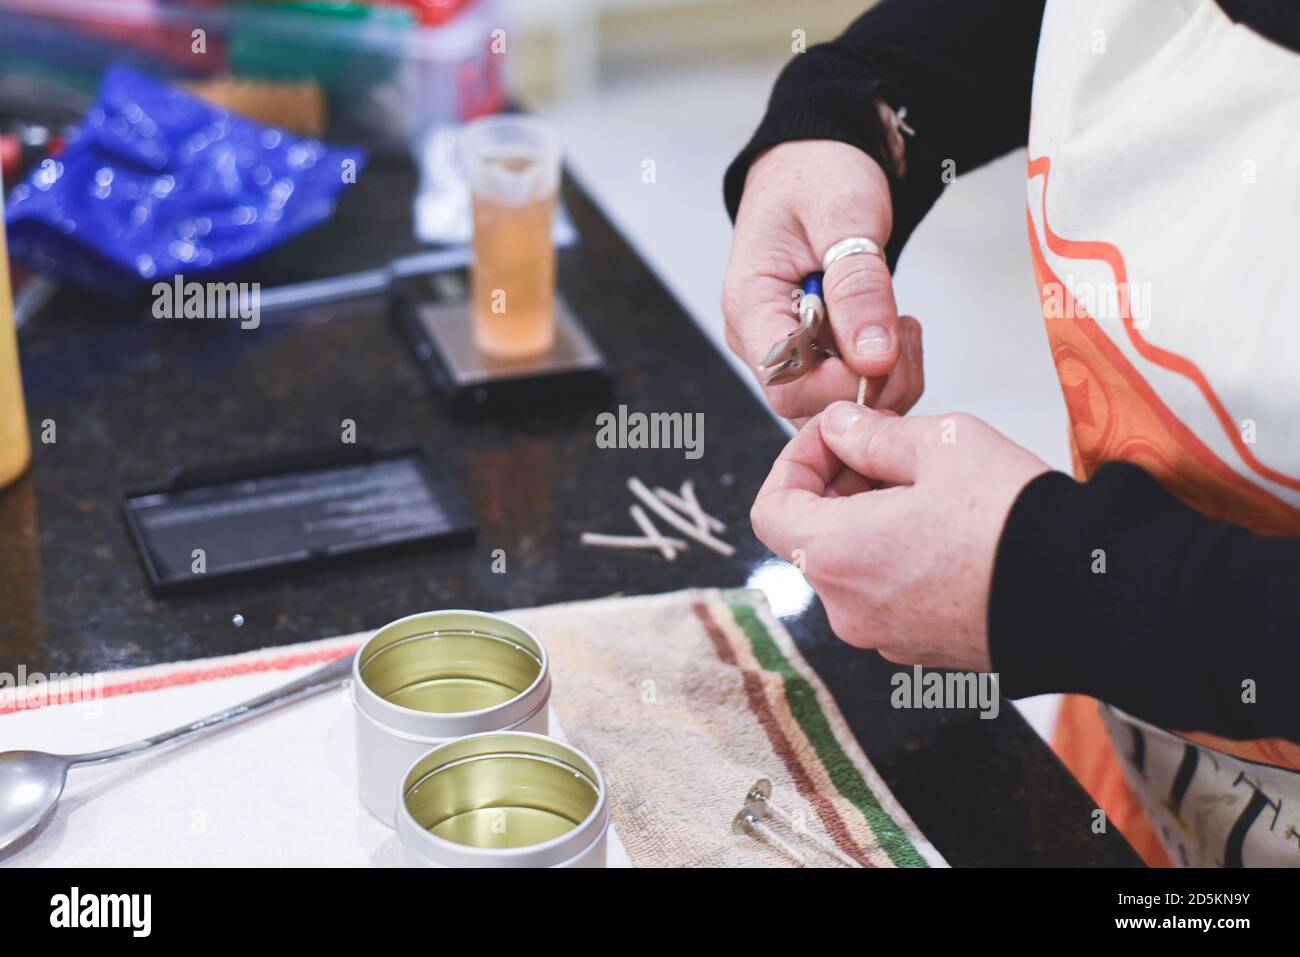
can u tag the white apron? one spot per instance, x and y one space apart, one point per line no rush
1164 221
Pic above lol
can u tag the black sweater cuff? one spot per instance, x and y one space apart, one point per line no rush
828 94
962 69
1115 589
822 94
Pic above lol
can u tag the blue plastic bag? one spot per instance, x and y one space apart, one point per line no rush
156 182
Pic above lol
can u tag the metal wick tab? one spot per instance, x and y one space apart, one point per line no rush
747 822
759 801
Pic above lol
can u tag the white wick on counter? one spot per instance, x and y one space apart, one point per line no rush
597 540
652 533
687 504
700 527
700 535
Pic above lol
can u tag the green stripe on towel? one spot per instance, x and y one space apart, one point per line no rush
802 701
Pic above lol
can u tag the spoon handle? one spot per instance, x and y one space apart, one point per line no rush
329 676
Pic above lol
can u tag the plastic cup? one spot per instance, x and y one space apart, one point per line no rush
513 167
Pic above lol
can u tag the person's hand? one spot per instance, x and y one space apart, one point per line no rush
800 199
895 523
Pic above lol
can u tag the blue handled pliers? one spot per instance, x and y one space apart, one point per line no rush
796 353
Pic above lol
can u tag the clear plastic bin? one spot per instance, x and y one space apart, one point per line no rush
387 81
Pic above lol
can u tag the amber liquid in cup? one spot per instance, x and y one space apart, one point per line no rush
513 279
513 167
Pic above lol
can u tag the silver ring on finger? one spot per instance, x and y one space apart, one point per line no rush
852 246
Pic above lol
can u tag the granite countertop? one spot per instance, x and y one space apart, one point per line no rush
133 400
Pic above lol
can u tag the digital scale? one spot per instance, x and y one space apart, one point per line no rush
433 313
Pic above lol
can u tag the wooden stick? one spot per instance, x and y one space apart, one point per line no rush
862 391
598 540
688 492
691 508
652 533
652 502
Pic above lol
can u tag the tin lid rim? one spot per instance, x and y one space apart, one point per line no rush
421 723
434 739
530 855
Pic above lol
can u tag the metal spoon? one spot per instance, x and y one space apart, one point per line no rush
32 781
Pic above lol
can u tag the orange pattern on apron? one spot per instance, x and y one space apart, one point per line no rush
1115 415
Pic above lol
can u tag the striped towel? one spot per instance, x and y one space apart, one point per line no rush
684 700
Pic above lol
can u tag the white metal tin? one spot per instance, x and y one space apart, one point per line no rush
443 790
391 735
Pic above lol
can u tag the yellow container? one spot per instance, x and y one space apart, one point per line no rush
15 446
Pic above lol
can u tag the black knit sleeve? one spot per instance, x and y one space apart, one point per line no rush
962 68
1115 589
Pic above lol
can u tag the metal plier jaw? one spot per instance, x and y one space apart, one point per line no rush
795 354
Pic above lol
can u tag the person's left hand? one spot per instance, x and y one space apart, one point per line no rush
895 523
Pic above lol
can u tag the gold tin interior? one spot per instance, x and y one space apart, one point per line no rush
451 670
511 792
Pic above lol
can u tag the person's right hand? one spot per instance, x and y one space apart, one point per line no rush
801 198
